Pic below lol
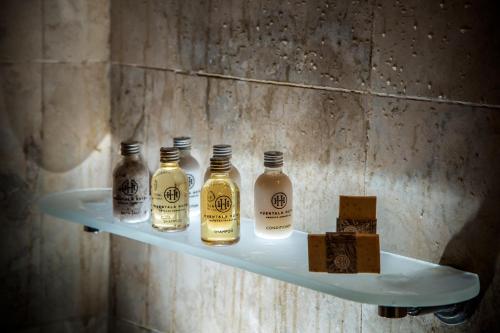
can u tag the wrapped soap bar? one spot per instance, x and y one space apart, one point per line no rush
357 214
345 252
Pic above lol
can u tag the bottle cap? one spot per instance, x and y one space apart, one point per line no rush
169 154
130 148
220 164
273 159
182 142
222 150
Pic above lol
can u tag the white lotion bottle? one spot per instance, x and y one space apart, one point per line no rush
273 199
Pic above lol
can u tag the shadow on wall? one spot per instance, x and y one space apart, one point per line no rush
476 246
75 116
476 249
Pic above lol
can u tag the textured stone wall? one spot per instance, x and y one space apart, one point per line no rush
54 134
398 99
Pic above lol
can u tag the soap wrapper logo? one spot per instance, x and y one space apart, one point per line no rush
341 253
342 261
172 194
368 226
279 200
129 187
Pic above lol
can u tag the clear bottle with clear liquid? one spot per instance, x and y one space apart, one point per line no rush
220 205
273 199
193 171
170 193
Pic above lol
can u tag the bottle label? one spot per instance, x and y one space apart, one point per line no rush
223 203
130 197
171 215
279 200
170 202
194 191
129 187
172 194
220 220
275 212
191 181
219 209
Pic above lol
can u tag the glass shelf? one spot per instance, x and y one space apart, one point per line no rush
403 282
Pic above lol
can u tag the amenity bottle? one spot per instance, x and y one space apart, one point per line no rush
220 205
273 199
170 193
225 151
131 202
192 169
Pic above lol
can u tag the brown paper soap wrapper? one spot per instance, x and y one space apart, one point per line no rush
357 207
351 225
357 214
344 253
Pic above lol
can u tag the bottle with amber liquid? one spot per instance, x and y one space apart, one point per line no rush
273 199
192 169
170 193
225 151
220 205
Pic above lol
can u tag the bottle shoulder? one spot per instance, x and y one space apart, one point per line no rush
130 167
221 182
169 171
234 170
188 162
273 179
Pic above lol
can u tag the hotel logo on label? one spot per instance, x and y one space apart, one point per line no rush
279 200
190 180
129 187
172 194
223 203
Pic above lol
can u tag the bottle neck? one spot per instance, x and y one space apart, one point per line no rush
132 157
273 170
184 152
169 165
223 156
219 174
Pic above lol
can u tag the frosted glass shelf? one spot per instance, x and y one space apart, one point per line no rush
403 282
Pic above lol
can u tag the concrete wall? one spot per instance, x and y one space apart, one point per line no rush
387 98
54 114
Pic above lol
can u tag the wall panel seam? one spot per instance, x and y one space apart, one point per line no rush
368 92
54 62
